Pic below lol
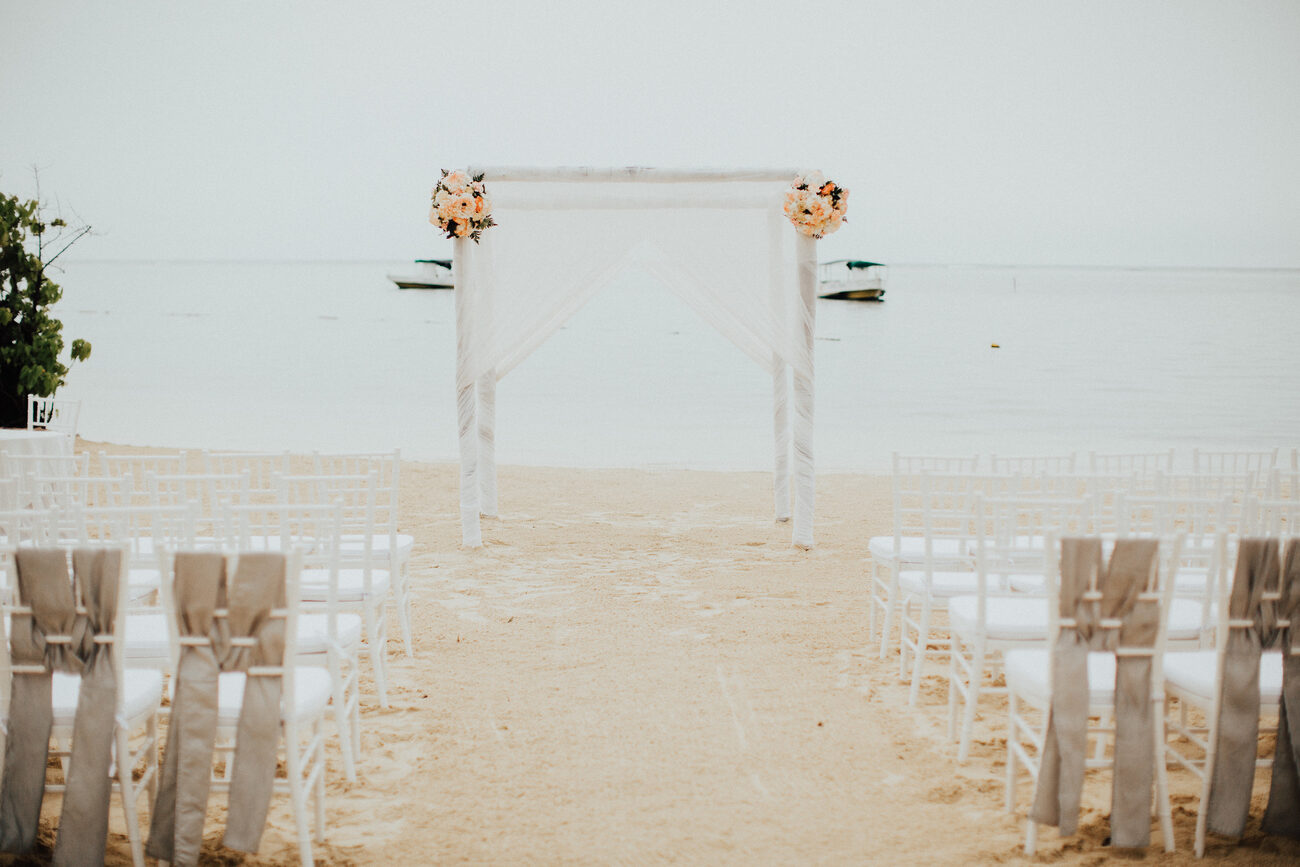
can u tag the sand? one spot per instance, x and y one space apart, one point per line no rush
638 667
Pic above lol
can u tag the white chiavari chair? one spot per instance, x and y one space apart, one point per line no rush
906 546
390 548
329 629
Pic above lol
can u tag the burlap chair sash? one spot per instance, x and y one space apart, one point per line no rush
1111 610
1252 626
57 626
1283 813
248 637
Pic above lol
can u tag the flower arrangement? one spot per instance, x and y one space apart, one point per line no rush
815 205
461 206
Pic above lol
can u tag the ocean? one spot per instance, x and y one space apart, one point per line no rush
956 360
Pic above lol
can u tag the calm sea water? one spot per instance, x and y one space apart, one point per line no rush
333 356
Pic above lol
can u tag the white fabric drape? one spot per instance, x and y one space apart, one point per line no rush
715 238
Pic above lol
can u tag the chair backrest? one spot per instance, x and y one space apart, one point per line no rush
289 614
143 529
212 492
387 467
70 492
136 469
13 605
1131 462
26 467
24 526
1158 587
910 465
261 467
47 413
1284 485
362 503
1258 463
62 496
1032 464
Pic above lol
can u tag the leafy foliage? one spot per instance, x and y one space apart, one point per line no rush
30 339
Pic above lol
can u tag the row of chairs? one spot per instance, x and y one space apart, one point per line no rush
1194 708
60 486
230 631
927 559
981 555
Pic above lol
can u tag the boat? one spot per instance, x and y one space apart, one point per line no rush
429 274
852 280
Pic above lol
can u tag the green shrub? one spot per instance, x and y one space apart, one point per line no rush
30 339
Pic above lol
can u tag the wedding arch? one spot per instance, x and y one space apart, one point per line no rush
717 238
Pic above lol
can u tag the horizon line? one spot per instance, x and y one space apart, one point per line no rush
199 260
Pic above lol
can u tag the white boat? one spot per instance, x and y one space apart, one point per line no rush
852 280
428 274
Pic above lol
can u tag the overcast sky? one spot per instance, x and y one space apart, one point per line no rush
1112 132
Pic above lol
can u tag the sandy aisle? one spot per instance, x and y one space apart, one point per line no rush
638 668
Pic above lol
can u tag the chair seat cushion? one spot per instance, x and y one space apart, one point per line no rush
1015 618
311 694
141 694
1189 581
352 584
911 549
146 635
1011 618
1192 672
943 584
1027 676
313 632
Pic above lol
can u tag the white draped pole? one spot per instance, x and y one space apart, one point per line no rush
487 448
781 431
466 400
805 484
778 297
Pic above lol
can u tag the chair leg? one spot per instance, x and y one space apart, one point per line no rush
891 608
126 790
955 660
377 635
402 584
342 716
151 762
1012 770
972 700
1163 806
297 795
319 790
1031 837
918 657
874 601
1099 747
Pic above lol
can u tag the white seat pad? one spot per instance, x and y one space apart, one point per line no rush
912 548
1189 581
141 694
351 584
1193 672
1009 618
1013 618
1027 675
146 636
311 694
942 584
313 632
